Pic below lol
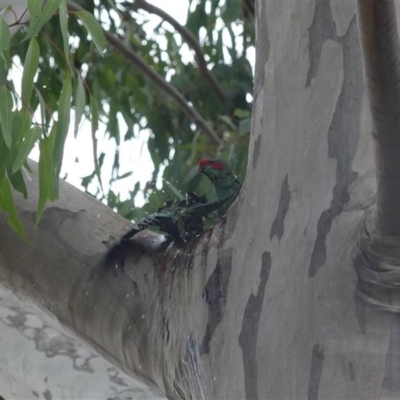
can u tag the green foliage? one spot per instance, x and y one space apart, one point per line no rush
4 35
93 28
72 71
39 15
6 115
20 129
7 205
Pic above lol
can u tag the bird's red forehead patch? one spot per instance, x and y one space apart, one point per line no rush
204 162
211 163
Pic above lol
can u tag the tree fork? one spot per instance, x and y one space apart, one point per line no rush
141 309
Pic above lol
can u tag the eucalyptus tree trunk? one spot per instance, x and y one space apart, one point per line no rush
294 295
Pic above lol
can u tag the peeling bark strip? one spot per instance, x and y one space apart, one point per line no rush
215 292
249 333
317 362
191 366
284 201
343 134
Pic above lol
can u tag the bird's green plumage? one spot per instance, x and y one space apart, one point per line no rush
184 219
179 219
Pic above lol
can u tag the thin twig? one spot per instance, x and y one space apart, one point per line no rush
129 54
189 38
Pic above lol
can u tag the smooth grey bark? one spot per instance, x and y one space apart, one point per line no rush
40 360
139 309
288 297
61 269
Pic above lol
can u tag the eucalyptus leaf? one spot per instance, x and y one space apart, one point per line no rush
4 155
80 102
4 64
94 29
40 16
35 8
29 141
4 35
6 115
30 68
18 183
7 204
21 124
64 28
64 108
42 105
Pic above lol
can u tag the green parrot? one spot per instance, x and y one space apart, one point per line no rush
226 184
184 219
179 219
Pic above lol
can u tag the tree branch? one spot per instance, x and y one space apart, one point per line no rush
17 16
189 38
121 305
158 79
381 54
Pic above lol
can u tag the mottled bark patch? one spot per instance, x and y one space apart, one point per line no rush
262 49
53 217
284 200
47 395
317 362
322 28
249 333
216 292
256 151
46 342
343 137
392 381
